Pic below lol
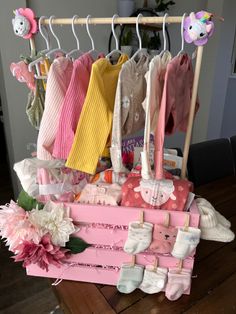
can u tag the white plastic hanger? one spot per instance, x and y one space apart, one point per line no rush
140 50
182 35
75 52
116 50
164 34
58 49
40 59
94 53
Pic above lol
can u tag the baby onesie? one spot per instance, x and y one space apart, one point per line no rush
177 93
94 126
129 115
72 106
58 81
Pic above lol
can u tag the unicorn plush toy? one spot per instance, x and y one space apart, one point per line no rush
198 28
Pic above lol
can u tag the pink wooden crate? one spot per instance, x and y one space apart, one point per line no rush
101 262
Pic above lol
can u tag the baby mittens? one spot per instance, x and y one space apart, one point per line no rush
154 279
186 242
178 283
139 237
130 278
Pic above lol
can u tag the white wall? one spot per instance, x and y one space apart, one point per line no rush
62 8
14 94
222 107
228 122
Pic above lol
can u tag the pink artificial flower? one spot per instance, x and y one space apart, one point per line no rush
16 227
29 14
42 254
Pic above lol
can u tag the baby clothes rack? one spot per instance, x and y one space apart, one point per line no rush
105 227
146 20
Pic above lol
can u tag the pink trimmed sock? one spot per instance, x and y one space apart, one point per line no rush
178 283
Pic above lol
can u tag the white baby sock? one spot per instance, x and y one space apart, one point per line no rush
154 280
139 237
130 278
178 282
186 242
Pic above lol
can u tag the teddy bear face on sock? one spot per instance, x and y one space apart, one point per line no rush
163 239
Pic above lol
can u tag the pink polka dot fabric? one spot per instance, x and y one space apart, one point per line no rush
133 198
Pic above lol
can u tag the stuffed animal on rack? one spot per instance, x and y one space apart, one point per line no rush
198 28
24 23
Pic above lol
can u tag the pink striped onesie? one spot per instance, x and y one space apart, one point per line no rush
58 81
72 106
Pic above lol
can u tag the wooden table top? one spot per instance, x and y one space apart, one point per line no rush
213 285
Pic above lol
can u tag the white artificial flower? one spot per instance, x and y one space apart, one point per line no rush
54 219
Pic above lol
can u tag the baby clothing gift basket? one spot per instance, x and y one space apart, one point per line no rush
129 228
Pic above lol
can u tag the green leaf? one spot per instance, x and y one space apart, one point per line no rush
27 202
76 245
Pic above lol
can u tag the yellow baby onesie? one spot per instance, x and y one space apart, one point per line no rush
94 126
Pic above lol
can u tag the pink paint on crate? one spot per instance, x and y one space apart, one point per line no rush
110 237
102 235
116 258
101 257
119 215
102 276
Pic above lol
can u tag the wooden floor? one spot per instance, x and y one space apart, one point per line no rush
20 294
213 288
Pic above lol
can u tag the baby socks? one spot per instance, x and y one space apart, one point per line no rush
186 242
178 282
154 280
139 237
130 278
